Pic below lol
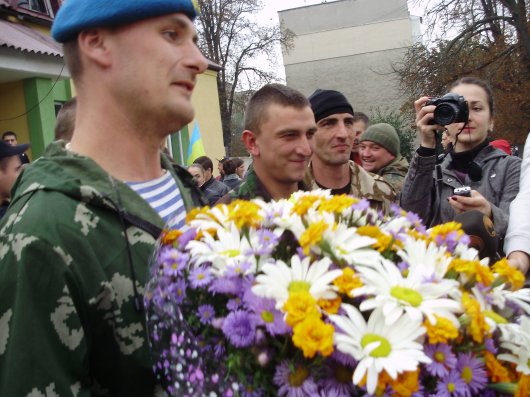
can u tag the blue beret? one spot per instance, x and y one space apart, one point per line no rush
75 16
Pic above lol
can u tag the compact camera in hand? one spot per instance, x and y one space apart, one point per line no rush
464 191
450 108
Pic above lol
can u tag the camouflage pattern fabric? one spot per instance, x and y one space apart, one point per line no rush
363 185
395 172
251 188
68 323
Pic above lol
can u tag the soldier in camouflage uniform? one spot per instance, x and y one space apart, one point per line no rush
379 148
330 167
279 129
76 241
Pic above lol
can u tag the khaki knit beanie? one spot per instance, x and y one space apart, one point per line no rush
383 134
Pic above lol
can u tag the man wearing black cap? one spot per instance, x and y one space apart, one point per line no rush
76 240
330 166
10 167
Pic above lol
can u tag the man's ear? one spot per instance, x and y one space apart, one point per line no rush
249 140
93 45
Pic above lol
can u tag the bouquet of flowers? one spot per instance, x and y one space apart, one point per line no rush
320 295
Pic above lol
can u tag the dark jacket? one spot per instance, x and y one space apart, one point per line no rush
251 188
232 181
75 246
499 184
214 190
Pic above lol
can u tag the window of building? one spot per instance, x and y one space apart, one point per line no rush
48 7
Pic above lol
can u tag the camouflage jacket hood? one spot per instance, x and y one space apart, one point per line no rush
363 185
394 173
75 246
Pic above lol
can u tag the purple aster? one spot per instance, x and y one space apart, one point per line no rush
226 285
206 313
265 313
415 220
200 277
489 344
472 372
451 385
343 358
337 382
362 205
177 291
187 236
239 327
238 269
443 359
234 304
250 391
172 261
266 243
299 383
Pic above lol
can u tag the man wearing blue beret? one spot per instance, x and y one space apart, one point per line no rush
82 224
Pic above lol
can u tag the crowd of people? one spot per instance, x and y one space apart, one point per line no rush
83 220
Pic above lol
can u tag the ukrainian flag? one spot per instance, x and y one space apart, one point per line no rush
196 148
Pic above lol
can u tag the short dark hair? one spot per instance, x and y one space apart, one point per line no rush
360 116
205 162
238 162
9 133
229 166
72 58
482 84
64 125
257 107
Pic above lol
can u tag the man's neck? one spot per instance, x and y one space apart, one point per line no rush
278 190
332 176
122 148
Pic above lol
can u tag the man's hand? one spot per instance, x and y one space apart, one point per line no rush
520 260
475 202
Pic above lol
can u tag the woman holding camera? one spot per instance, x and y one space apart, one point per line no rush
492 175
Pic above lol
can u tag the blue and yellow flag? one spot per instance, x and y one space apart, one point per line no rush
196 148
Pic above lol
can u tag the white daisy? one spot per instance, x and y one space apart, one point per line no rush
278 279
378 346
426 260
228 250
516 339
414 295
214 219
520 297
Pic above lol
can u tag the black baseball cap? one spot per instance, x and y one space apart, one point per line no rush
6 150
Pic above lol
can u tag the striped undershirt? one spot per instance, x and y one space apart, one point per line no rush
163 195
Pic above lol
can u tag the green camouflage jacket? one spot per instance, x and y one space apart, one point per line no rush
251 188
395 172
69 320
363 185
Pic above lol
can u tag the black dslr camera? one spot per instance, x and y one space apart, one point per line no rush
450 108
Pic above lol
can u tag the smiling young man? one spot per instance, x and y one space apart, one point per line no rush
331 167
279 128
10 167
379 147
83 222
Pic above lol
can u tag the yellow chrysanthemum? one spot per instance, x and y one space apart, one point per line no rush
313 335
303 204
475 269
478 327
337 203
169 236
330 306
496 371
384 240
441 231
523 387
244 213
417 235
300 305
312 235
193 213
347 282
406 384
441 332
200 233
512 274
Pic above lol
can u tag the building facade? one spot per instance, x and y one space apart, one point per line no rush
34 83
350 45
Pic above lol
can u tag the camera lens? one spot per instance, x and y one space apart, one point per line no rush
445 113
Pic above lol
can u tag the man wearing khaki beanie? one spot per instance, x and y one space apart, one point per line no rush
380 154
